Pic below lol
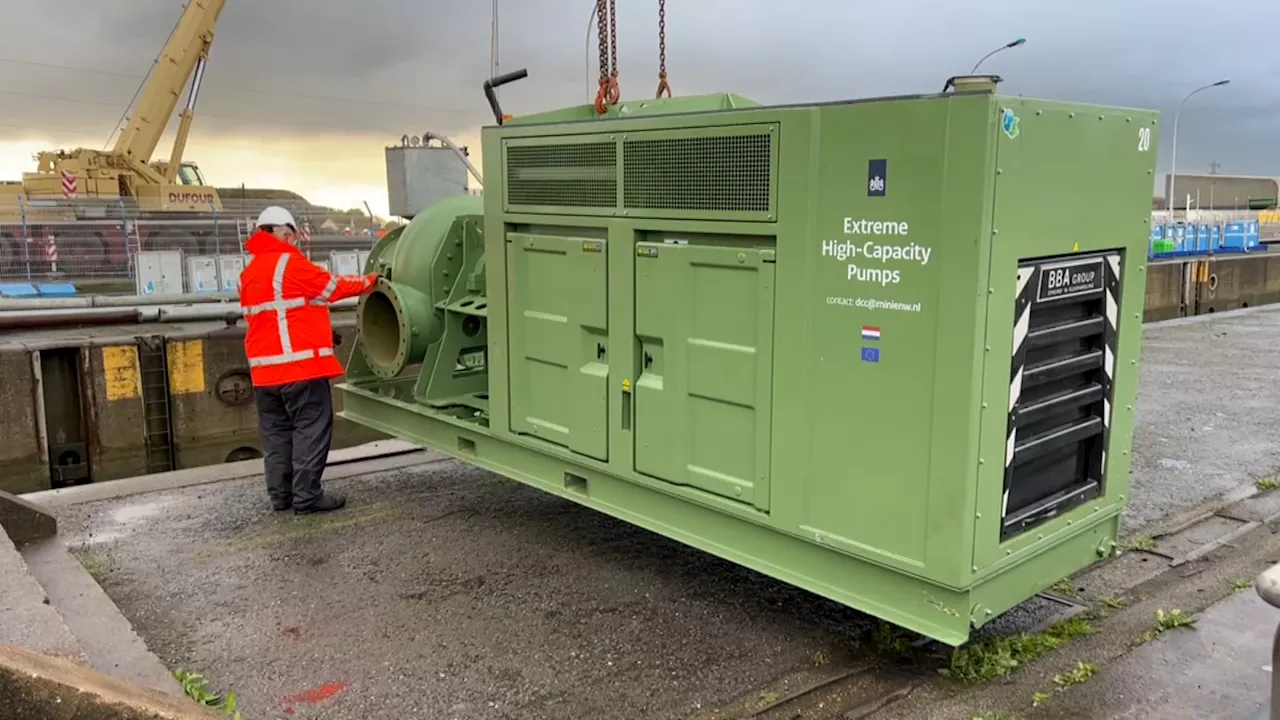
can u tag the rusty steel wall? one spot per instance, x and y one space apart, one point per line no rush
1218 283
210 412
214 418
23 467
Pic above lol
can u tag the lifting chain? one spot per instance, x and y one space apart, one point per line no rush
663 85
608 35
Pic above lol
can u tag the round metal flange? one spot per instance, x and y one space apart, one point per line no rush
380 316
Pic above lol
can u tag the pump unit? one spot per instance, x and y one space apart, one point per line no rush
872 348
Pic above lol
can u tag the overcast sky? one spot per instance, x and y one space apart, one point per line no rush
304 94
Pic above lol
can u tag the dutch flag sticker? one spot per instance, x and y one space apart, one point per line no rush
870 333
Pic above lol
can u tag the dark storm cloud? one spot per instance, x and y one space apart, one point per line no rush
394 66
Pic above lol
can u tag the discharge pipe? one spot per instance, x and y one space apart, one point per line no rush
71 317
103 301
456 151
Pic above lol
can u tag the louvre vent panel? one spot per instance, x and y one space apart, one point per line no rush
1060 389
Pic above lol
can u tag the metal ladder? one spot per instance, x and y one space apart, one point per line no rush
157 425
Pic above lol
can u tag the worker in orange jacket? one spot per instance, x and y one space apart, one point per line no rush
289 344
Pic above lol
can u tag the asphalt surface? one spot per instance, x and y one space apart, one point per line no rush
445 592
1208 410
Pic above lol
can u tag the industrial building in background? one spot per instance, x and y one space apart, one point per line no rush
1233 193
766 332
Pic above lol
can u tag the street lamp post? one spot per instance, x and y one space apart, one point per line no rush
1172 200
1006 46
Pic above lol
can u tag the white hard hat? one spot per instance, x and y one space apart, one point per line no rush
276 215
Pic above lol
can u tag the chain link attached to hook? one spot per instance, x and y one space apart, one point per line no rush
663 85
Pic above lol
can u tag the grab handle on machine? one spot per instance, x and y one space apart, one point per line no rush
493 83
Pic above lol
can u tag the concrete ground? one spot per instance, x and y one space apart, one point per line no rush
1220 670
445 592
1208 410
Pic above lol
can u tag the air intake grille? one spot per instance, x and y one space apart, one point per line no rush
726 173
568 174
1060 388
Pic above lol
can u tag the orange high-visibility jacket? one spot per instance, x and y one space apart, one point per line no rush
285 298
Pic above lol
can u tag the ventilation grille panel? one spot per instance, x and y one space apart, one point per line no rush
566 174
717 174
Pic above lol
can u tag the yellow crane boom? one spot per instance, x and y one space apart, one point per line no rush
128 170
186 52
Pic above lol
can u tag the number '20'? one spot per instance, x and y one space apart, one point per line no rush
1144 139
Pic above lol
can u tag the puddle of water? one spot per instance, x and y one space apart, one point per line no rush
1172 464
134 512
123 521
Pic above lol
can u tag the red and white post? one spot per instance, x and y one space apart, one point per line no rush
51 252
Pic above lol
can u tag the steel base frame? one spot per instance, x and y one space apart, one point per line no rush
945 614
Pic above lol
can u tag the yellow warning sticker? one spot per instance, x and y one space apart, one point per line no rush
120 370
186 367
1075 248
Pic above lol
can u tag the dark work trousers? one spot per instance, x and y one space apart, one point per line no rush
296 423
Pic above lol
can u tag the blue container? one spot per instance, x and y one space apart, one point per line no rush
58 290
1179 238
1215 238
1202 239
1252 241
1233 237
18 290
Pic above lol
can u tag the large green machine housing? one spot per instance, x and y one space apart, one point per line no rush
885 350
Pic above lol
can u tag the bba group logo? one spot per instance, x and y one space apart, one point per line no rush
877 177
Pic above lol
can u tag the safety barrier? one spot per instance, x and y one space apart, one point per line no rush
89 239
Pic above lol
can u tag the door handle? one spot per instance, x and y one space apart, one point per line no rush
599 351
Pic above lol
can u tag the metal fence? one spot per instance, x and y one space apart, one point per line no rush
92 239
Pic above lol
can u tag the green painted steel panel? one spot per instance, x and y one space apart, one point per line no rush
704 320
888 355
559 341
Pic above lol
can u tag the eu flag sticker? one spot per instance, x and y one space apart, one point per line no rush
871 354
877 177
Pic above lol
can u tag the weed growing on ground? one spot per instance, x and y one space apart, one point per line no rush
767 699
1065 587
992 716
1142 543
196 688
1267 483
1167 620
1039 699
1239 585
892 641
1077 675
999 656
1112 602
1175 618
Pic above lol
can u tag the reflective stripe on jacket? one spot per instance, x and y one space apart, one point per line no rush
285 298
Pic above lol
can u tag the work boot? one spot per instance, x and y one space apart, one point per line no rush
281 505
326 503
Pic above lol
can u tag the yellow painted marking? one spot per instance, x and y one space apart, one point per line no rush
186 367
1075 248
120 369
